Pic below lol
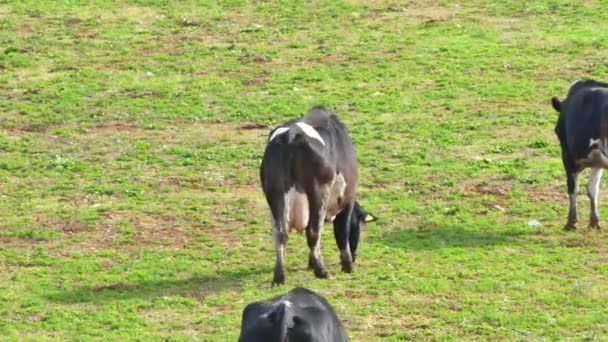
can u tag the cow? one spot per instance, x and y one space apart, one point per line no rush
309 176
299 315
358 217
582 129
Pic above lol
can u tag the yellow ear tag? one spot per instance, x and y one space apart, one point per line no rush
369 218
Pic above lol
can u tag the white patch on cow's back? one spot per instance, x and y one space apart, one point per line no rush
296 206
286 302
278 132
575 82
310 131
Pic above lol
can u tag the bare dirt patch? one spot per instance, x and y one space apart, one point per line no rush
159 229
189 22
86 33
143 94
115 287
325 59
142 15
255 59
149 230
25 29
47 221
227 131
553 192
253 82
253 125
229 238
5 9
73 21
495 190
114 127
201 36
430 13
257 79
161 315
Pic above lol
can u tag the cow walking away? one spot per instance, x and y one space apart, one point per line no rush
582 129
299 315
309 176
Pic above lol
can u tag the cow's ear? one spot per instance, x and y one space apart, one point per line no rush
557 104
370 218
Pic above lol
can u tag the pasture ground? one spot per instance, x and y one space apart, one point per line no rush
131 134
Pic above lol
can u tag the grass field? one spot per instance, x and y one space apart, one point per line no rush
131 135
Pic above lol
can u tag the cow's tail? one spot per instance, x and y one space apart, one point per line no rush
599 146
556 103
602 142
282 318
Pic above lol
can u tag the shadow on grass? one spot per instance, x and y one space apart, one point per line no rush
445 238
196 287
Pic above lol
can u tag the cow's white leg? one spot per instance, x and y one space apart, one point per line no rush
593 188
279 234
318 207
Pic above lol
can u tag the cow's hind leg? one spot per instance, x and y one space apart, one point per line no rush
572 190
571 178
317 199
593 189
279 234
342 235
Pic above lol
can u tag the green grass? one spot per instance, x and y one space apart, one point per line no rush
131 135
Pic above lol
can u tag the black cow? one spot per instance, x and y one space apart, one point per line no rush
358 217
582 129
298 316
309 176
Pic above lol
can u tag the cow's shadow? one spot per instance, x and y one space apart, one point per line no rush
196 287
444 237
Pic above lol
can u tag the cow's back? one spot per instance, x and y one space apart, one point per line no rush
584 119
339 146
308 317
317 313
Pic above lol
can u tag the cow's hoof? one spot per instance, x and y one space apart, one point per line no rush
347 267
279 279
569 226
322 274
594 224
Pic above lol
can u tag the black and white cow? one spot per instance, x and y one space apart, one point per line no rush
309 175
582 129
300 315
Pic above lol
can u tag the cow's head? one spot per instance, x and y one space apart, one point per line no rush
269 326
357 220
